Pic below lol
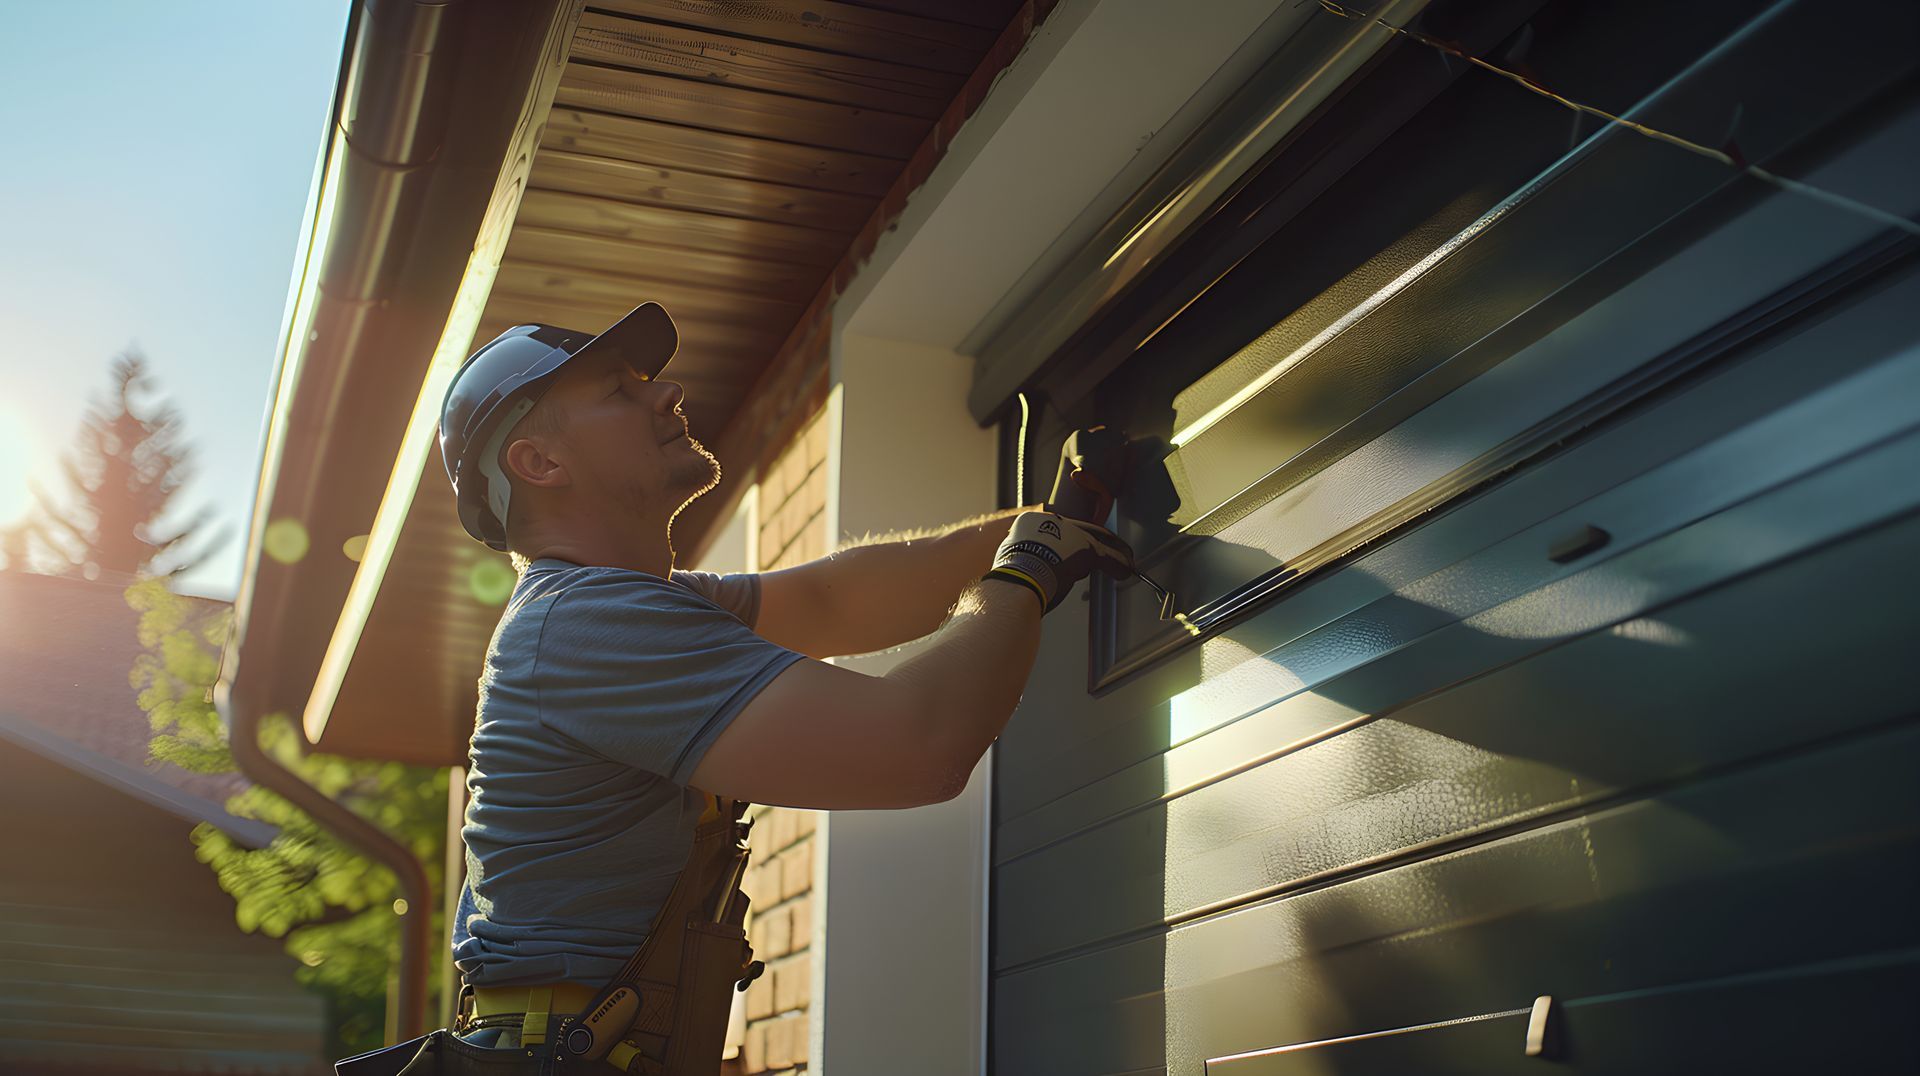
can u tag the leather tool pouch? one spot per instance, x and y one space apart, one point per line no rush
713 958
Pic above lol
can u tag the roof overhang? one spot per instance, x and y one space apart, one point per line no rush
426 153
732 162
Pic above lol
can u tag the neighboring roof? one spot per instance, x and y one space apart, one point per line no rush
66 649
731 161
140 784
119 952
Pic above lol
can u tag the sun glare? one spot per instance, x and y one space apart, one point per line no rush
16 462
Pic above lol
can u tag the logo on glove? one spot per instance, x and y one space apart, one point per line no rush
1049 527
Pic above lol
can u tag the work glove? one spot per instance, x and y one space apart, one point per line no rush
1048 553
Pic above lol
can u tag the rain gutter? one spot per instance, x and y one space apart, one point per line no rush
406 181
389 114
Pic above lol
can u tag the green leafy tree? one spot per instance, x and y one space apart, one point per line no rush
128 463
333 906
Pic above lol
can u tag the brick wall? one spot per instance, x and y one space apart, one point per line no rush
780 882
793 501
792 529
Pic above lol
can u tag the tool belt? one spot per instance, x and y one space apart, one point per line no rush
664 1013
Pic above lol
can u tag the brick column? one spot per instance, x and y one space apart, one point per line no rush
792 530
780 884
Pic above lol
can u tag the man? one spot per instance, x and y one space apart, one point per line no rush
622 700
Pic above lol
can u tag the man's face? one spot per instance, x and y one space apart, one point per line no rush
623 438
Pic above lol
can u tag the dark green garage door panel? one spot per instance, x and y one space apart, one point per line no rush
1710 881
1768 1022
1470 729
1782 858
1392 796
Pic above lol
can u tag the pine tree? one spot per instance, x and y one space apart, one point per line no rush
129 462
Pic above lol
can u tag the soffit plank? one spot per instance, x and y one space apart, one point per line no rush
695 149
697 336
571 309
879 35
657 261
742 111
708 56
628 181
589 288
989 14
696 363
701 231
712 377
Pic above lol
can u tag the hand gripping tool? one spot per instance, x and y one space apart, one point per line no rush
1092 473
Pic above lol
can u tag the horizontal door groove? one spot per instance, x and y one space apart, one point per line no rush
1869 265
1436 1025
1651 610
1430 850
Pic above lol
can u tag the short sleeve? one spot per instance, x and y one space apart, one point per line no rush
646 672
738 593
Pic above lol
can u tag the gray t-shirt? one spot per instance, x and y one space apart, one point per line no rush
603 689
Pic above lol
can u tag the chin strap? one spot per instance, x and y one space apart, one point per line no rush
499 490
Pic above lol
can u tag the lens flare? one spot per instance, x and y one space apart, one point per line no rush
16 465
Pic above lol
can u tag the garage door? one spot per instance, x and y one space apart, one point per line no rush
1539 504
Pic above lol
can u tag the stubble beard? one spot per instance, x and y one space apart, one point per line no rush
701 477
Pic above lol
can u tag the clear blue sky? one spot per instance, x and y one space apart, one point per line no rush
158 157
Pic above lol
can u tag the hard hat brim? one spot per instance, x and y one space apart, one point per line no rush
645 339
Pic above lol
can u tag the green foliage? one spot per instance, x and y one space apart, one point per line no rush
175 678
333 906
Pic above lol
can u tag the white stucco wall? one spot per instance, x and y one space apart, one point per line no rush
900 984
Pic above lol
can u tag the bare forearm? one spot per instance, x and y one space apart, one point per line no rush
890 590
969 677
918 579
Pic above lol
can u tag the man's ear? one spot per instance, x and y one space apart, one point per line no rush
526 461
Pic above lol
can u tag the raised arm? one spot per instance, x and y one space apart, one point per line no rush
829 738
876 595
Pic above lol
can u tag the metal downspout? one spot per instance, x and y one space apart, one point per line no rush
390 118
416 890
